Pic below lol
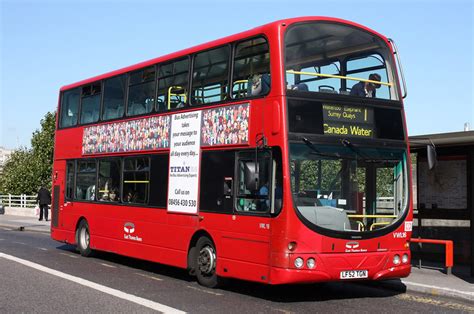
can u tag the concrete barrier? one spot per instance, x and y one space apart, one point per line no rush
21 211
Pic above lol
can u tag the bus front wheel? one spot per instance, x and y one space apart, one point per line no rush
83 239
206 261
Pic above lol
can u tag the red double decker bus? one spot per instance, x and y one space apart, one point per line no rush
277 155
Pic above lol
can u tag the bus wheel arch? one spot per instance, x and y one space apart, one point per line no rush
83 237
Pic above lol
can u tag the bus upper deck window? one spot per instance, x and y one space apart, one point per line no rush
141 92
330 58
90 103
172 85
69 108
251 68
114 97
210 76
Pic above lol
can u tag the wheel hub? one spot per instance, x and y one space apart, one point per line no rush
85 238
207 260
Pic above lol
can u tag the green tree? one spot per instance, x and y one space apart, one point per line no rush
27 169
42 144
18 173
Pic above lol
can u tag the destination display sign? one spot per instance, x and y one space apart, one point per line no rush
340 120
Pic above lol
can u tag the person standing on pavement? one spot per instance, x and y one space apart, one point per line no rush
43 199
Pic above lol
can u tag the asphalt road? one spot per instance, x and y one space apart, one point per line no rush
61 280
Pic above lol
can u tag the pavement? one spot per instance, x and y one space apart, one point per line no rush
427 280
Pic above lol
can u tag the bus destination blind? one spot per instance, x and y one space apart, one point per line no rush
340 120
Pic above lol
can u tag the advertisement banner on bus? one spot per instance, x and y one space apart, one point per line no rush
185 146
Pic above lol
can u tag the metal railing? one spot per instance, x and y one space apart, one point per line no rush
449 260
21 201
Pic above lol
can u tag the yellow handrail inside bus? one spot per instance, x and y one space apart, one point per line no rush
360 223
339 76
144 181
172 94
372 216
379 224
240 82
241 87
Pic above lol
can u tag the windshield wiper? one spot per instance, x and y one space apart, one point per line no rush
310 145
346 143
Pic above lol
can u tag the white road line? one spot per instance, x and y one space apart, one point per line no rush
205 291
116 293
150 277
107 265
42 248
464 293
2 239
19 243
69 255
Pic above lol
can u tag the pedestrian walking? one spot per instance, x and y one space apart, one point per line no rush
43 199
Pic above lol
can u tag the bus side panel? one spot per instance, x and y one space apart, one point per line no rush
242 245
168 256
150 233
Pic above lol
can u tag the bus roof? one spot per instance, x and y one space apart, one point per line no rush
215 43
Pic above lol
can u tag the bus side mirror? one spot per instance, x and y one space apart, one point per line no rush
251 176
431 155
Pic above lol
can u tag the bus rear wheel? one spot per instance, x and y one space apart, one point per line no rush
206 261
83 239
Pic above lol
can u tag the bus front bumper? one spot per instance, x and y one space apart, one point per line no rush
330 267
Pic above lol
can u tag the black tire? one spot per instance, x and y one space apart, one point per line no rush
83 239
206 262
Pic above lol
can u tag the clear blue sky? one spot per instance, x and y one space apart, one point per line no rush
47 44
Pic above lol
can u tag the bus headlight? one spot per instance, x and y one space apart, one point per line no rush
396 259
311 263
405 258
299 262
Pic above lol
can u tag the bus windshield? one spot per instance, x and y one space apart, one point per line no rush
327 57
349 188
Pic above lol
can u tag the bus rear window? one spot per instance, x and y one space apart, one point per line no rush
69 108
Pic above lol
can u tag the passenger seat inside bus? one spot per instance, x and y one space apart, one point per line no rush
327 89
300 87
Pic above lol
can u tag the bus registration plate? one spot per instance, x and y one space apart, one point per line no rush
353 274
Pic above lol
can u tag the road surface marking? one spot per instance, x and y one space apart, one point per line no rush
107 265
434 288
116 293
19 243
427 300
42 248
2 239
205 291
150 277
284 311
69 255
